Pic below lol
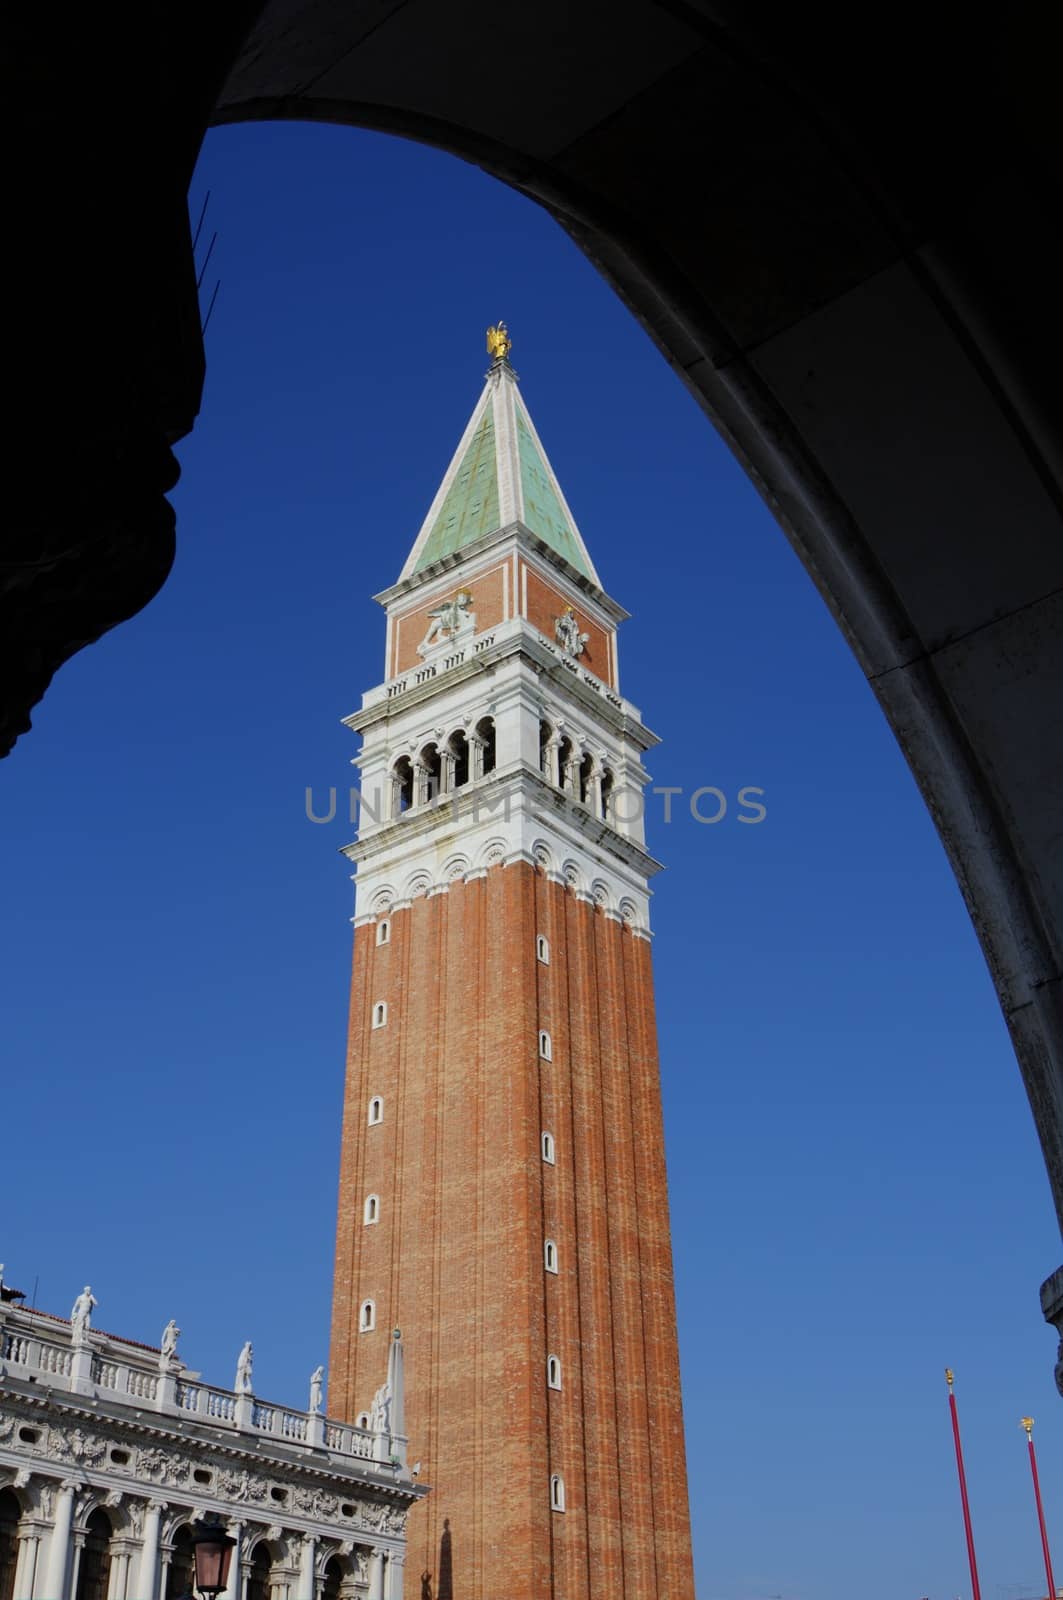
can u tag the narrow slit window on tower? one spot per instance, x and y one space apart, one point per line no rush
367 1317
553 1372
548 1148
550 1255
546 1048
557 1492
380 1014
376 1111
542 950
363 1420
371 1210
383 931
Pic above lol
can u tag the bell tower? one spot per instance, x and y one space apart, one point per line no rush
502 1187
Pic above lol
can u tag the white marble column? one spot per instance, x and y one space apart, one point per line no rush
376 1575
237 1576
118 1582
305 1586
55 1586
395 1574
594 791
26 1563
447 767
148 1569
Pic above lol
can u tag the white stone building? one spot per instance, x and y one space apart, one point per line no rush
110 1451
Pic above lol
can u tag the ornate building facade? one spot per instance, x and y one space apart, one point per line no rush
503 1192
111 1451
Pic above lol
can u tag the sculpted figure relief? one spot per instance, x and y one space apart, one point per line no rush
567 633
317 1380
447 620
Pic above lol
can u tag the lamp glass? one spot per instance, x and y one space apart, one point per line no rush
213 1555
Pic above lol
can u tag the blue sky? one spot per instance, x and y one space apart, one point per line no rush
857 1192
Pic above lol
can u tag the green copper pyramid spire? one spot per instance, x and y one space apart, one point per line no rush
499 476
470 507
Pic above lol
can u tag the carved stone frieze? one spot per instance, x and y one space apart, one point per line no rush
315 1501
76 1445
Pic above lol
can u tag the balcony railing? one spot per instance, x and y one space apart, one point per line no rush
142 1380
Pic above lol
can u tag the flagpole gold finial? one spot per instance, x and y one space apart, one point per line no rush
499 344
948 1378
1026 1423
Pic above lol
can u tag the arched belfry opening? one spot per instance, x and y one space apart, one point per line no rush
401 786
485 733
458 751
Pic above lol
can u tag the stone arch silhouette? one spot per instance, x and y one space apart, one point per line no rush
858 301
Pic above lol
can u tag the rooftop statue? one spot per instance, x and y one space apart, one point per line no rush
243 1369
81 1314
168 1344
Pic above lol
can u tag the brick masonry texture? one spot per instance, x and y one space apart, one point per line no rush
457 1257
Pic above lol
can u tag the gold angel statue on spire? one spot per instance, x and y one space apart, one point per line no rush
499 344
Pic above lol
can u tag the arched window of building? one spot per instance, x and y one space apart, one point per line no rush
401 786
550 1255
548 1148
371 1209
367 1317
94 1567
553 1371
485 732
383 931
10 1512
332 1579
380 1014
542 950
557 1492
546 1045
363 1420
458 747
181 1567
376 1110
259 1585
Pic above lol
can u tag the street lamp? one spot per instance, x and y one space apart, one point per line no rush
212 1551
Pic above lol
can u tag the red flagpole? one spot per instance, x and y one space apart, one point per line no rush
1027 1423
975 1587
